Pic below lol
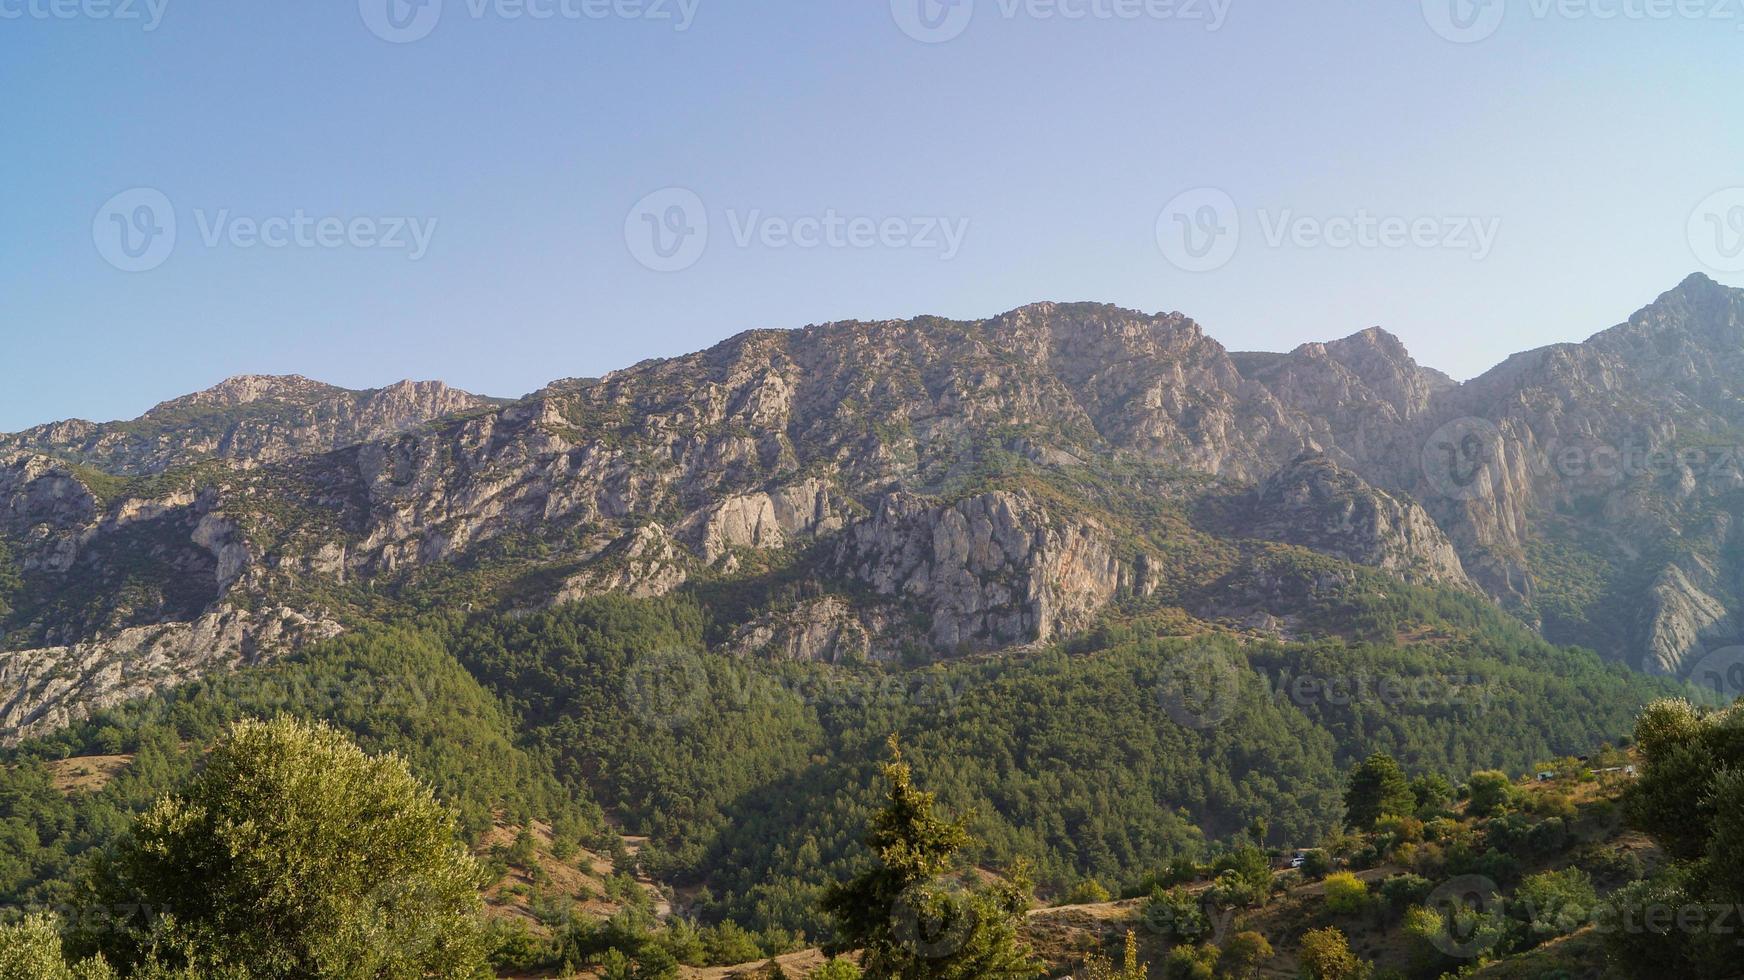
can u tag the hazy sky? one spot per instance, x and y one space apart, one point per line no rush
470 200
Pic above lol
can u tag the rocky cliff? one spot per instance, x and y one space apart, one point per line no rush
1314 503
248 421
900 489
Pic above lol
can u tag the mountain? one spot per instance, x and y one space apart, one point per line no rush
899 492
249 420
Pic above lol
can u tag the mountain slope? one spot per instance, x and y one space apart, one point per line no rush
901 491
249 420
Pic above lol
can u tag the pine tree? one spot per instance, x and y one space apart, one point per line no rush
1377 788
910 913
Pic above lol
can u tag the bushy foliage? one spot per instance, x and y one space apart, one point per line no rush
1176 915
1191 963
1554 903
30 949
1489 793
1326 955
1690 798
1346 894
1099 968
753 779
1245 954
1377 789
293 853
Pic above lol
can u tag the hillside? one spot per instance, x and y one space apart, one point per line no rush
896 492
1130 599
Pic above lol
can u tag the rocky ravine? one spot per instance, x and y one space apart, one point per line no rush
939 487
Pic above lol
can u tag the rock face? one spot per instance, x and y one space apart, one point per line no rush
926 486
1314 503
643 564
45 689
767 520
991 571
826 630
1684 622
248 420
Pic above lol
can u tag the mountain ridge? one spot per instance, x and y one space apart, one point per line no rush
948 487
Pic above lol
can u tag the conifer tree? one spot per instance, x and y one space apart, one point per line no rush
911 914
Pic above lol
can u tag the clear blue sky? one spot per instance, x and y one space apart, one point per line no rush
1591 140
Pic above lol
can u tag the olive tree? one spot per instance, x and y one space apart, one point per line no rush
294 854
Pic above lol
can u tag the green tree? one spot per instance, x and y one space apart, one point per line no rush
1346 894
1176 915
294 854
728 944
910 915
1089 892
1432 792
1554 903
1690 798
1244 955
1191 963
30 949
1377 788
1491 792
1099 968
1326 955
838 969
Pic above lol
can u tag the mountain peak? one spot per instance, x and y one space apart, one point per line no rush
245 389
